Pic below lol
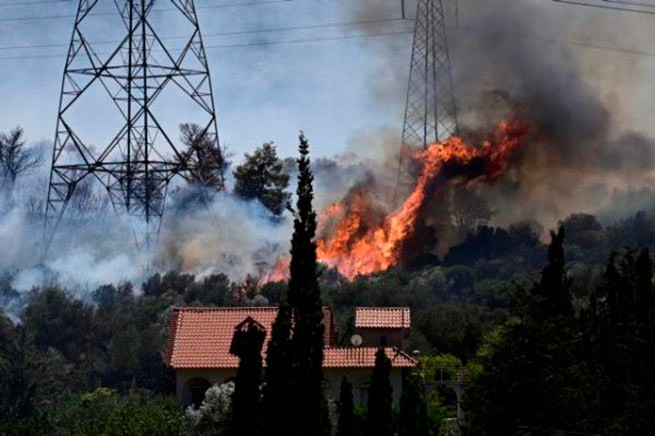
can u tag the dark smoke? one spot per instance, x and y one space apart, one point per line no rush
581 102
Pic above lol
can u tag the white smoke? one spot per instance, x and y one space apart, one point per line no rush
227 235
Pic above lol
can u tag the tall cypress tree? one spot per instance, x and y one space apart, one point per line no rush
413 408
380 397
277 395
531 377
553 292
247 344
345 409
305 299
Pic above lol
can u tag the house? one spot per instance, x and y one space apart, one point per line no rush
390 324
199 342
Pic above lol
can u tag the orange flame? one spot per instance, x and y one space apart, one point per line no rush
355 242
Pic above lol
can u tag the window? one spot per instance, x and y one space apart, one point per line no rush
194 392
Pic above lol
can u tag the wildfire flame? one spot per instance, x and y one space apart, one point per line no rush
355 242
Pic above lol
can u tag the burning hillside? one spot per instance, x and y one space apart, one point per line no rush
357 236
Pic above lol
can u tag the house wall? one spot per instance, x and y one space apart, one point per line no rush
183 377
358 377
371 337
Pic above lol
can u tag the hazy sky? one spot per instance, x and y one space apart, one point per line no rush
270 92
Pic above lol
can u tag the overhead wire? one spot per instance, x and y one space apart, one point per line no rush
634 52
589 45
98 14
231 33
29 3
601 6
595 46
246 44
629 3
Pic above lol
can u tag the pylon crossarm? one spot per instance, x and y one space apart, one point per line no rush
137 160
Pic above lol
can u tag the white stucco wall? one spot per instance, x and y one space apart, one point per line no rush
358 377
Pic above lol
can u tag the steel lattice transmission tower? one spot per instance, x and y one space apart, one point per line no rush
134 95
430 114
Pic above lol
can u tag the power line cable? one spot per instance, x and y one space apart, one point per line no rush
623 2
232 33
589 45
29 3
246 44
320 39
625 50
98 14
600 6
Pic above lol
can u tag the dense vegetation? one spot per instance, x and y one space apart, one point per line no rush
565 348
585 326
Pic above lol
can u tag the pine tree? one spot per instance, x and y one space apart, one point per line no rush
380 397
277 395
247 344
345 409
262 177
203 156
305 300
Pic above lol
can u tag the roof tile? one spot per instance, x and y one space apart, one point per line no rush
201 337
364 357
382 317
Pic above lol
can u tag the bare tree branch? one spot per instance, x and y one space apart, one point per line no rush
15 158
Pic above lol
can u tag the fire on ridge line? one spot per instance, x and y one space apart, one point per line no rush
354 242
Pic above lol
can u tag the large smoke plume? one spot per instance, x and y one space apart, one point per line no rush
585 103
591 145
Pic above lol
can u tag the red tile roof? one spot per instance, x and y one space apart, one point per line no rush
382 317
201 337
364 357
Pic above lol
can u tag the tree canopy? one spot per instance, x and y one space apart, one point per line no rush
261 177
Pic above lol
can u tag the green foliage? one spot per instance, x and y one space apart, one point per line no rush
379 418
571 352
530 376
413 420
261 177
455 328
247 344
552 370
304 297
214 416
276 393
439 366
103 412
54 320
618 329
346 424
30 379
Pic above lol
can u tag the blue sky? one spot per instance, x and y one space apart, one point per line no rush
263 93
347 95
270 92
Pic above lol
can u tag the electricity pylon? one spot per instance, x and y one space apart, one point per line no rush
430 113
128 95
